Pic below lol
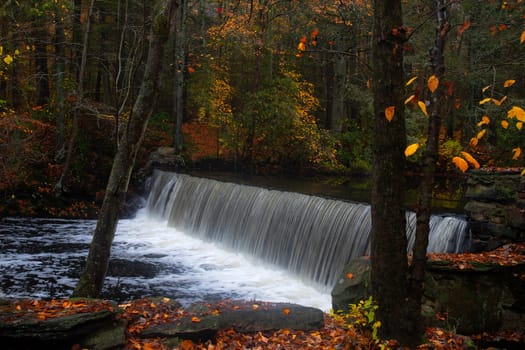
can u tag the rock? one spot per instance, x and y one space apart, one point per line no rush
94 330
351 290
131 268
266 318
496 206
486 298
164 158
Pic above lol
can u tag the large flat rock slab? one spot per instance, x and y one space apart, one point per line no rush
254 318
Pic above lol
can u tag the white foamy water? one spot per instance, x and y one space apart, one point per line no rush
41 258
209 269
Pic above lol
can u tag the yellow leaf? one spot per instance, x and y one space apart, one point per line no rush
486 88
471 160
504 124
1 50
433 83
516 112
301 46
410 99
460 163
410 150
389 113
411 81
485 100
522 172
499 102
519 125
474 142
8 59
517 152
481 134
484 121
423 107
522 37
17 52
509 83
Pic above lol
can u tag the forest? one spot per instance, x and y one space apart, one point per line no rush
264 87
88 89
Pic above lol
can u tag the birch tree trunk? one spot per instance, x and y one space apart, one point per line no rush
92 278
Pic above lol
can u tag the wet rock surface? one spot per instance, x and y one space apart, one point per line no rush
484 298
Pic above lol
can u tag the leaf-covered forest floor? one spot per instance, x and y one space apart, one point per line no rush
337 333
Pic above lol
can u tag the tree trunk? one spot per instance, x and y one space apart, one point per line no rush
437 108
339 94
92 278
389 242
59 186
60 71
180 67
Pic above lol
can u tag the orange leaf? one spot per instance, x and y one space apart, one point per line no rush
471 160
186 345
460 163
516 112
410 99
423 107
519 125
509 83
499 102
481 134
484 121
195 319
389 113
517 152
463 27
433 83
504 124
473 142
410 150
522 37
349 275
286 311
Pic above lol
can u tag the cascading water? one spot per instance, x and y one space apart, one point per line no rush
309 236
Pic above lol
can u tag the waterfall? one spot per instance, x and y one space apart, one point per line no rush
310 236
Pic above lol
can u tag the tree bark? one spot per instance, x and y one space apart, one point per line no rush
388 241
437 108
59 186
92 278
339 94
180 67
